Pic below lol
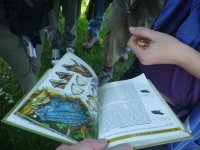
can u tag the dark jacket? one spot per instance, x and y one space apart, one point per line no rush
27 16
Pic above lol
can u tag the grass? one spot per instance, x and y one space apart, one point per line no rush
12 138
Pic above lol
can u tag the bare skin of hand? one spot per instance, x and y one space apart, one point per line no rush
162 48
89 144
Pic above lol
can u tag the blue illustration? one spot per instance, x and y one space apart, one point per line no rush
68 112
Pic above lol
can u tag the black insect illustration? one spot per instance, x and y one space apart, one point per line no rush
78 68
157 112
64 75
58 83
145 91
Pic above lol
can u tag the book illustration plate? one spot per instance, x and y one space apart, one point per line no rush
68 116
76 90
65 75
92 103
78 68
58 83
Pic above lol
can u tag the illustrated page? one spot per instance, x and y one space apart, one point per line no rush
66 102
132 108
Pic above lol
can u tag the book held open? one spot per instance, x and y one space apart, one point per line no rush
67 105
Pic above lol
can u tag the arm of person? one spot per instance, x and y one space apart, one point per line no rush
164 49
89 144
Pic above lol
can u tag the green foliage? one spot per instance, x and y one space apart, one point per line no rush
16 139
61 126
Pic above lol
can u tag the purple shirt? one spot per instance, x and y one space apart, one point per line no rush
182 20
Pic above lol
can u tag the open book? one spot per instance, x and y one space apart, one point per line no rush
67 105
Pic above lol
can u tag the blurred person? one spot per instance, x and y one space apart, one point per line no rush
70 12
21 33
95 23
124 13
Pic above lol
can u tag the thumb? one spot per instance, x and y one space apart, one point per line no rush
89 144
95 144
100 144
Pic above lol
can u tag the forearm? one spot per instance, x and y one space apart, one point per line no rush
189 60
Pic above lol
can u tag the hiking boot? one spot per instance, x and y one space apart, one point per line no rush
124 57
69 49
105 75
55 56
90 41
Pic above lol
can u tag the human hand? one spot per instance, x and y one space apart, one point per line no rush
161 49
89 144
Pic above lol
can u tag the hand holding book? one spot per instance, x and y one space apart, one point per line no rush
90 144
67 105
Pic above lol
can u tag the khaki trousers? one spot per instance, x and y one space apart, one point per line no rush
117 30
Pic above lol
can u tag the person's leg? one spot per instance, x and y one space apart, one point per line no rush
116 35
71 13
95 24
137 18
145 13
132 72
115 40
54 35
12 50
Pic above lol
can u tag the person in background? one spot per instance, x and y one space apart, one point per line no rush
95 23
15 30
124 13
71 12
170 61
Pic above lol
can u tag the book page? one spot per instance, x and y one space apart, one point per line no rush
131 108
65 103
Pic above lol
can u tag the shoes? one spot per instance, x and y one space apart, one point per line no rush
55 56
69 49
90 41
105 75
124 57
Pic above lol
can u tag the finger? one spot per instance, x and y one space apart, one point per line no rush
133 44
95 144
142 32
100 144
62 147
137 50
